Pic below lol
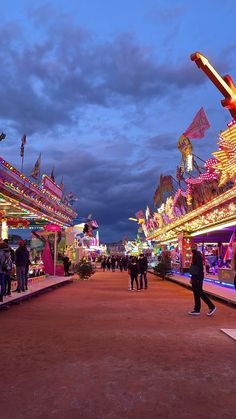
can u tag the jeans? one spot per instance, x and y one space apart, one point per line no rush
134 278
21 278
199 294
143 275
2 284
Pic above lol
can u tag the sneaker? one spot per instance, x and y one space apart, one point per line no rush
211 311
194 313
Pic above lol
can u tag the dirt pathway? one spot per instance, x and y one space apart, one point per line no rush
94 350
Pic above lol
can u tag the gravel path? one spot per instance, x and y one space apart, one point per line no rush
93 349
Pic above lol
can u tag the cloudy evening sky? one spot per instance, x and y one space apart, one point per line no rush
104 88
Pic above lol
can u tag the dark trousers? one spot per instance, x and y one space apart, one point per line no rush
7 284
66 270
134 278
199 294
2 285
143 275
20 276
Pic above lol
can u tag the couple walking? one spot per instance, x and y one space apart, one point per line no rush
137 268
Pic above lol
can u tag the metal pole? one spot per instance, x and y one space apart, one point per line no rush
22 163
55 254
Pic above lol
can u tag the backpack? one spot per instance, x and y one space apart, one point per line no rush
7 265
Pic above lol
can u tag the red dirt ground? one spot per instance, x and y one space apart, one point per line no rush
94 350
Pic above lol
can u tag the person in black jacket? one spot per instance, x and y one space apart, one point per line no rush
143 266
197 276
9 252
21 261
133 271
66 264
2 269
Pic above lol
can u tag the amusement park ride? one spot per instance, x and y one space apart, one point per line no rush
224 84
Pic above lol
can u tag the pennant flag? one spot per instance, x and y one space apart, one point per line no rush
198 126
157 196
229 251
62 183
22 147
139 214
69 199
52 175
36 170
2 136
166 185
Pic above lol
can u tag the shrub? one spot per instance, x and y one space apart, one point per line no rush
84 269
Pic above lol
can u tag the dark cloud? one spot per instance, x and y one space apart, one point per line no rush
45 82
97 109
161 142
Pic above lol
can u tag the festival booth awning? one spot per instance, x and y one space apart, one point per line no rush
215 215
23 202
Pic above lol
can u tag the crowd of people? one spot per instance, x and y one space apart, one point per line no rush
136 267
13 261
115 262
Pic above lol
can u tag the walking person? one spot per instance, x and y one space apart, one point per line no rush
234 263
21 261
2 269
103 264
108 263
113 264
133 271
66 264
197 276
120 263
143 266
8 267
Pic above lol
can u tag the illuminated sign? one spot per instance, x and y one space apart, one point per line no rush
51 187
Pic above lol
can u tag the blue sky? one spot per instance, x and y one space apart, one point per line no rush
105 88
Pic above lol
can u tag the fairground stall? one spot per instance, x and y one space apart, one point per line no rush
24 204
82 240
200 204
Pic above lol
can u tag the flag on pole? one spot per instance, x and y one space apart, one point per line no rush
198 126
62 183
2 136
22 147
139 214
229 251
36 170
52 175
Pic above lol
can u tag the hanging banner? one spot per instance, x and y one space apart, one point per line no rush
51 187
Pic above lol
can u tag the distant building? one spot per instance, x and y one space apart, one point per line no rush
115 248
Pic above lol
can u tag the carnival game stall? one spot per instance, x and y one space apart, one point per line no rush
27 205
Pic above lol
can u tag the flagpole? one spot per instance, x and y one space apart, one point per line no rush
22 163
39 178
22 151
